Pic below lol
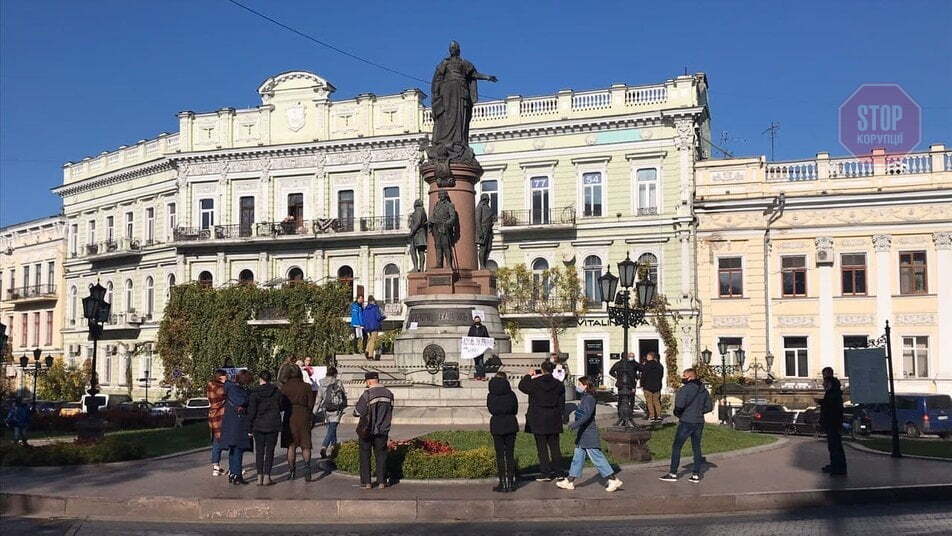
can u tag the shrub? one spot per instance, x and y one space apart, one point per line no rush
115 419
424 459
109 449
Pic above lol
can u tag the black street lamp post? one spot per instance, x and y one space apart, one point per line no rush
96 311
36 369
755 367
626 314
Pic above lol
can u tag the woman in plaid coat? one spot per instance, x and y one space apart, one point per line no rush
215 392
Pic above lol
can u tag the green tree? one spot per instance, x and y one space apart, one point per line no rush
61 382
556 295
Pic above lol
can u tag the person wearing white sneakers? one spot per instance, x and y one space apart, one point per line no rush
587 442
691 402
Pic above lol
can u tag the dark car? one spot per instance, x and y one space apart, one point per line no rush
166 407
916 413
762 418
807 422
139 406
48 406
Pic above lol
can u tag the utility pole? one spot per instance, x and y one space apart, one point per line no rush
772 132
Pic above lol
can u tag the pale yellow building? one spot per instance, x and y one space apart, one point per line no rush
849 244
31 289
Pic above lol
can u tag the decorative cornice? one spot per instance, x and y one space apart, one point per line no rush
328 147
114 177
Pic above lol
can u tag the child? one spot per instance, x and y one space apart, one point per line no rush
587 441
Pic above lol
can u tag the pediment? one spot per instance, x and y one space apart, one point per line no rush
295 82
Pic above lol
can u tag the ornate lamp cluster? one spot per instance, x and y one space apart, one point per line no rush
96 311
36 369
623 313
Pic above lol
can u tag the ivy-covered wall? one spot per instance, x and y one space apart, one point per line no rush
203 328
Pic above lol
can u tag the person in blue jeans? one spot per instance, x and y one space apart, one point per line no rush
236 426
691 402
587 442
332 400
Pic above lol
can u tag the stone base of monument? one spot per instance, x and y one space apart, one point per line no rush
627 444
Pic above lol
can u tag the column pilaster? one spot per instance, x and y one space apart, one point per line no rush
943 249
882 243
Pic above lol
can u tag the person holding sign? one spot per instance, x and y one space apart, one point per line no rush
478 330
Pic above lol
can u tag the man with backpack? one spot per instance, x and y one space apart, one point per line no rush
332 401
691 402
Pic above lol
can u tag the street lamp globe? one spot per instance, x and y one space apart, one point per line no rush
646 291
24 361
49 361
722 347
769 359
607 284
740 355
626 272
36 354
706 356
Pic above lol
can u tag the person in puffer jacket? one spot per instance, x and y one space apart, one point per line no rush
357 324
503 406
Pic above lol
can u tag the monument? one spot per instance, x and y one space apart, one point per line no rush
454 284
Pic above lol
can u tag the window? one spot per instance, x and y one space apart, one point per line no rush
149 226
110 229
345 274
539 200
650 262
647 184
246 277
794 275
26 278
540 346
49 328
733 344
130 218
73 239
912 272
730 277
50 276
491 188
296 274
540 279
853 270
91 234
205 279
36 329
24 329
72 306
109 294
37 276
296 209
915 357
795 356
391 283
391 208
129 299
171 283
149 297
851 342
246 215
592 268
206 213
592 194
170 211
345 210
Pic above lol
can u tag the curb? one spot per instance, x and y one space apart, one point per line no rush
863 448
160 508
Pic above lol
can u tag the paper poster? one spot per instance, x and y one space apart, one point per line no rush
480 314
413 325
471 347
867 373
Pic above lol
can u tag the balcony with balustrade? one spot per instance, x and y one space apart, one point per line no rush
530 220
31 293
322 229
879 171
113 249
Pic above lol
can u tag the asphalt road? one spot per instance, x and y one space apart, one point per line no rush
932 518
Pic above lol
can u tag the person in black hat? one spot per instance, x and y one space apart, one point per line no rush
375 411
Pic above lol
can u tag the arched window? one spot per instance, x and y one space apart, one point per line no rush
540 279
205 279
492 266
650 261
345 274
171 280
73 299
129 299
391 283
295 274
149 297
592 268
109 292
246 277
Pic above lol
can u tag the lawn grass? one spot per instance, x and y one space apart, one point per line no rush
162 441
715 439
916 447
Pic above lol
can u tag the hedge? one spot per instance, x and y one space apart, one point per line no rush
422 460
115 420
109 449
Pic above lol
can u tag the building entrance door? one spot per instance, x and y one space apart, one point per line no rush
645 346
594 360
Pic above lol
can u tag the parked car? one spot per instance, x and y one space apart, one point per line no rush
916 413
140 406
762 418
195 409
166 407
69 409
48 406
806 422
106 401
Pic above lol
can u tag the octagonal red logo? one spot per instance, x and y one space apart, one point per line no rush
880 115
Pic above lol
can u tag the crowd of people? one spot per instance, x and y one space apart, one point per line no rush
366 322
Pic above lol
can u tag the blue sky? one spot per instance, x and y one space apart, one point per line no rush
79 78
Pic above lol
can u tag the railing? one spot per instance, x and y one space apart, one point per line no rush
538 106
489 110
31 291
380 223
594 100
851 167
647 211
792 171
641 96
947 158
187 234
534 305
122 245
283 228
553 216
234 231
303 228
909 164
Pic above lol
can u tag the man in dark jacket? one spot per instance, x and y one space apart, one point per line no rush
503 406
652 374
544 418
478 330
691 402
264 414
375 410
831 418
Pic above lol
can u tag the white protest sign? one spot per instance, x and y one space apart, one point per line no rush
867 373
480 314
470 347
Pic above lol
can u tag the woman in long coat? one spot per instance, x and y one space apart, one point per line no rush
298 420
235 426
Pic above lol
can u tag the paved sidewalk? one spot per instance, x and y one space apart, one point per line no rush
732 480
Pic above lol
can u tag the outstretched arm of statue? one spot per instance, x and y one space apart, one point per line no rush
487 77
